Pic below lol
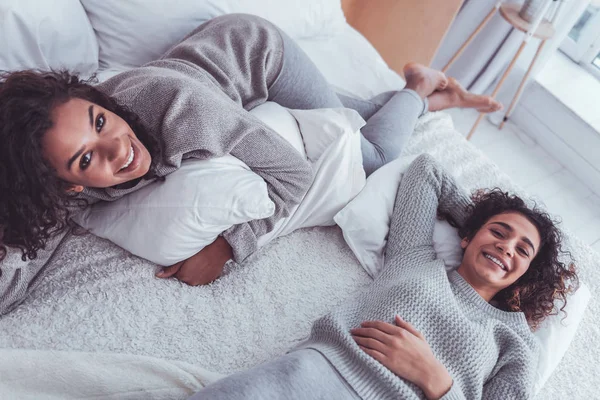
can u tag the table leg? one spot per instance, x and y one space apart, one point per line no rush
499 85
522 85
466 43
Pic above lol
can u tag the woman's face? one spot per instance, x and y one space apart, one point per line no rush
499 253
90 146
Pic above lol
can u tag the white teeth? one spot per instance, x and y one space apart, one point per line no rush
494 259
129 160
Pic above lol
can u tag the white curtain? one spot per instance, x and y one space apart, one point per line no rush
486 58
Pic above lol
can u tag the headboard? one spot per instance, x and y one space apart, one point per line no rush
402 30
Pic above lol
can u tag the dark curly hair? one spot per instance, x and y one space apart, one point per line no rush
548 279
34 201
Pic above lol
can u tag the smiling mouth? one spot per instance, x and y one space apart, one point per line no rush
496 261
129 159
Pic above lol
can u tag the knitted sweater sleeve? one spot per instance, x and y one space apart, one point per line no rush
512 379
424 189
241 56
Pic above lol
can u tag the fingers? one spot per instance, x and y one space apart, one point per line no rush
195 275
373 334
381 326
197 280
370 343
407 326
374 353
169 271
392 329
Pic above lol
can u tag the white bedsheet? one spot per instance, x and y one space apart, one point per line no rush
65 375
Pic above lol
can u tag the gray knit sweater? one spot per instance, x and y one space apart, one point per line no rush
490 354
196 99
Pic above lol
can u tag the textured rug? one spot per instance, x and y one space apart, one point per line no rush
96 297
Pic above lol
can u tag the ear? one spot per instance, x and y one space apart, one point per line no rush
75 188
464 243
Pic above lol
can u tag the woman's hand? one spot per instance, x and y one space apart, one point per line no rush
403 350
202 268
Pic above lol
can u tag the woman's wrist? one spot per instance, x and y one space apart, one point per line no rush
226 250
436 382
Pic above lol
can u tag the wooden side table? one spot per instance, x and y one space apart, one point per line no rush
510 12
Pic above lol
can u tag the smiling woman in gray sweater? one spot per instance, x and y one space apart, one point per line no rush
65 141
419 331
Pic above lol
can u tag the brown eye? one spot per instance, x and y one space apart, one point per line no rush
100 120
85 160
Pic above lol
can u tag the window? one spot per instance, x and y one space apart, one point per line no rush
583 41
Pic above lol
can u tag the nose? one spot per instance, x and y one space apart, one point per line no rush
110 148
505 248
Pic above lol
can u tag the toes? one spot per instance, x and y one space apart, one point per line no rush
494 105
443 82
488 105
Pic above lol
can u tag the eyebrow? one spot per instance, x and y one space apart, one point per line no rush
510 228
91 114
72 159
78 153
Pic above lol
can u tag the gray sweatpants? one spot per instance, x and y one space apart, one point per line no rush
300 375
391 117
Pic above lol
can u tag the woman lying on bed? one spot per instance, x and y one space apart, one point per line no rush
66 143
419 331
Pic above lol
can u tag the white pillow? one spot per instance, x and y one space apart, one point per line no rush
170 221
167 222
134 32
365 224
46 35
332 142
365 221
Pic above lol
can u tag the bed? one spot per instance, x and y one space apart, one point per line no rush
96 322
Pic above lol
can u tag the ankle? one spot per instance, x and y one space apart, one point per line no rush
419 86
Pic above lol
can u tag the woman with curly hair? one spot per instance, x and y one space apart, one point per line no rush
66 143
419 331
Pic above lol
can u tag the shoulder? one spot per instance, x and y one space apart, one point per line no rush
150 91
137 79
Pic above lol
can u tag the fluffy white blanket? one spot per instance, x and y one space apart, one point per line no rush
96 297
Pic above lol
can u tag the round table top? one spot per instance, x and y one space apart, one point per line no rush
510 12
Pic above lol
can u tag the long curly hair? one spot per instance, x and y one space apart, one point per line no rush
547 279
34 202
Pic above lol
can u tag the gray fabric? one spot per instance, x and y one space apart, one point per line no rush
301 375
391 117
18 277
490 353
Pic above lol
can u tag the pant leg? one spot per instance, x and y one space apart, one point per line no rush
391 117
366 108
300 375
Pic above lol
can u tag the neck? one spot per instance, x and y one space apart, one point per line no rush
480 287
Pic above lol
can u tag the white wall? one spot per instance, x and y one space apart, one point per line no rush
560 132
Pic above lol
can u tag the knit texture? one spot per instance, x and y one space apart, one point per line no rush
196 100
489 353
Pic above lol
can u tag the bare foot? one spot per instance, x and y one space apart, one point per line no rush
457 96
424 80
